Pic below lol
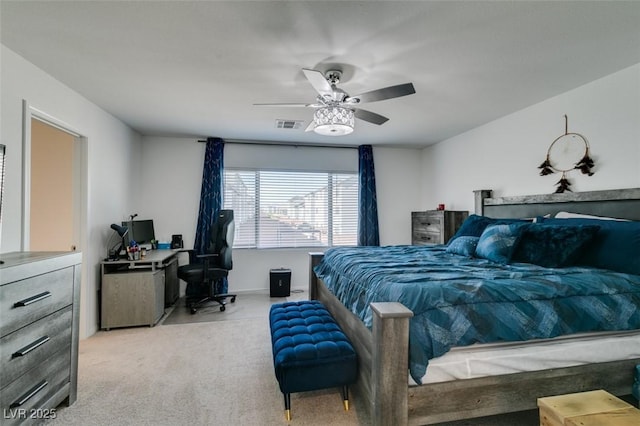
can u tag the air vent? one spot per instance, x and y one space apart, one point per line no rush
288 124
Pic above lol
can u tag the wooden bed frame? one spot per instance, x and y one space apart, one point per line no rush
383 350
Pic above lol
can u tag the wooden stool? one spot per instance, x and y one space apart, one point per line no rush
594 408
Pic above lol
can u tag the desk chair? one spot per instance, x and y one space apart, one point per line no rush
205 273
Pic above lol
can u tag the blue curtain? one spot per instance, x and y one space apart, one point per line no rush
368 233
210 201
210 194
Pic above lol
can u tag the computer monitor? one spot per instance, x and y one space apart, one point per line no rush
140 231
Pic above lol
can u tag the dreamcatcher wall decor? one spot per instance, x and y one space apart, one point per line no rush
568 152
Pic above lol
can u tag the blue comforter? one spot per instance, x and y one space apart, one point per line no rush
458 301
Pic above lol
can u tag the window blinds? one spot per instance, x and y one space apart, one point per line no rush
278 209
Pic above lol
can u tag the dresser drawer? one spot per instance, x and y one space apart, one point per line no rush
435 226
25 301
34 388
427 223
34 344
421 238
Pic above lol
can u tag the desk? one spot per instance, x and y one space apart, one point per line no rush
135 292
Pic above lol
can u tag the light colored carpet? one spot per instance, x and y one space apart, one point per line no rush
215 373
247 305
218 372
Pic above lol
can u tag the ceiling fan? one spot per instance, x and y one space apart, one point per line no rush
335 110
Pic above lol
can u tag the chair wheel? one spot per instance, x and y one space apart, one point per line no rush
222 308
193 311
233 299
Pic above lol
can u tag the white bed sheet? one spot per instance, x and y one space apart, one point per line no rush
492 359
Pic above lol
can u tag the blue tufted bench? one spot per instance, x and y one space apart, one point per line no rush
310 352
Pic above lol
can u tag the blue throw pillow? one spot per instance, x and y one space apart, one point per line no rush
553 246
464 246
498 242
474 225
616 245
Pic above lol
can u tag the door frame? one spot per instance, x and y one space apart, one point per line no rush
80 189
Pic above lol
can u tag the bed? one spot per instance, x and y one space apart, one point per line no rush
380 330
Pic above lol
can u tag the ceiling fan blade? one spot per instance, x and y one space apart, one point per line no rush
386 93
369 116
289 105
318 81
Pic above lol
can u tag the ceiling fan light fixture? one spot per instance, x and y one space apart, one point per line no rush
334 121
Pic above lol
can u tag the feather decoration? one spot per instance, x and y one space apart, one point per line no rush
546 168
585 165
563 185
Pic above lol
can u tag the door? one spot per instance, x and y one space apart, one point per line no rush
53 203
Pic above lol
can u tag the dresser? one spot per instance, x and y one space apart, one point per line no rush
39 317
435 226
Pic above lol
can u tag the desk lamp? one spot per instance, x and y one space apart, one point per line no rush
114 254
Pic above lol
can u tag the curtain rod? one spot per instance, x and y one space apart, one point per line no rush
293 144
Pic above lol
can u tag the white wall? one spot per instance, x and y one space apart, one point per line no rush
504 155
399 189
112 151
170 192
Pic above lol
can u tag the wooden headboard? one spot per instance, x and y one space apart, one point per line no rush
619 203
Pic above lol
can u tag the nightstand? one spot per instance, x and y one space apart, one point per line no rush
594 408
435 226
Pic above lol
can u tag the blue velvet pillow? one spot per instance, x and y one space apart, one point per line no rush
553 246
464 246
616 245
474 225
498 242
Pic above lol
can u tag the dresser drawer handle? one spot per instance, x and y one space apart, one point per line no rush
32 299
29 394
31 346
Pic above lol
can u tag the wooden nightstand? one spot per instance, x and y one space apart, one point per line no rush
435 226
594 408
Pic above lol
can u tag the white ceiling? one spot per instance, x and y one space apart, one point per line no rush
195 68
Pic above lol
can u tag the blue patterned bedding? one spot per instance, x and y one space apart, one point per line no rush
458 301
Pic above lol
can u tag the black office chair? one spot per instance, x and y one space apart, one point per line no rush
206 273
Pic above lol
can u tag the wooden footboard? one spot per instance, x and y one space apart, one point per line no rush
383 373
382 352
463 399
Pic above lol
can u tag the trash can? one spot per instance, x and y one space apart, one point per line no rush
280 282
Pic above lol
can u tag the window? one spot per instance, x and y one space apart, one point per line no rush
274 209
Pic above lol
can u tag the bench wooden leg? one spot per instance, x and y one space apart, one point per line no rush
345 397
287 406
